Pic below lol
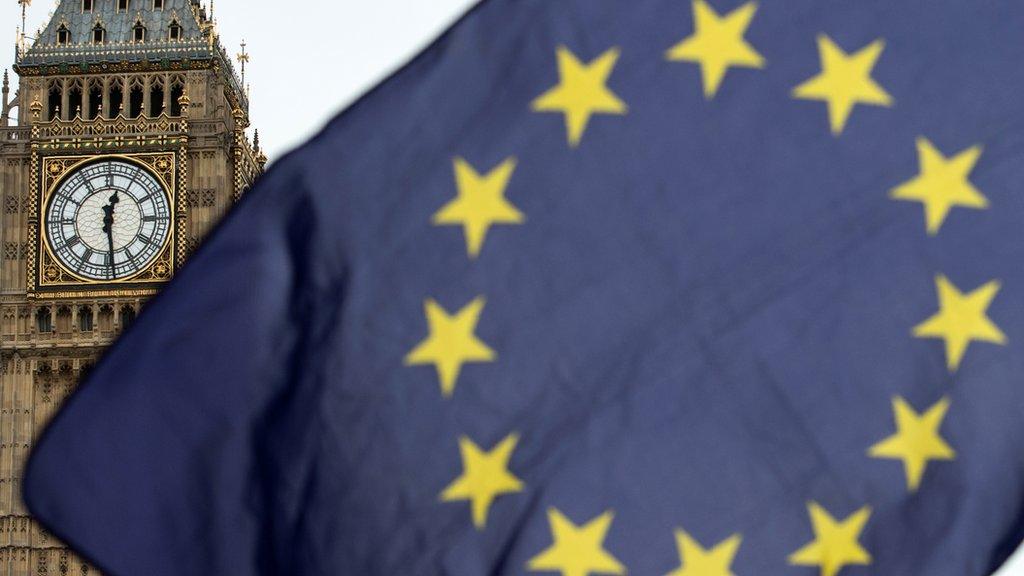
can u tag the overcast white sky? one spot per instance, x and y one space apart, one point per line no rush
308 65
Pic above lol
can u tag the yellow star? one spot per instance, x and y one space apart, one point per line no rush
451 343
835 544
917 440
577 551
718 44
696 561
581 92
485 477
844 81
480 204
961 319
942 184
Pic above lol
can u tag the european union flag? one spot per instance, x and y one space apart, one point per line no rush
697 287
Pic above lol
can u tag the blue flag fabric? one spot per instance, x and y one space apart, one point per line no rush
689 287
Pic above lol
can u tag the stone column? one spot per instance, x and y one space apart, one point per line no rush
106 113
65 100
147 97
167 94
86 100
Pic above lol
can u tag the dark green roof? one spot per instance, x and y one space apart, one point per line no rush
119 25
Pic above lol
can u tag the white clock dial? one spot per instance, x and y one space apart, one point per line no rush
108 220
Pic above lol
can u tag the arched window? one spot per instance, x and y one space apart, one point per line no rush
158 4
127 316
106 318
53 101
10 325
177 91
99 34
139 32
116 100
64 320
156 99
75 100
95 100
136 99
44 321
85 319
86 5
174 32
123 5
63 35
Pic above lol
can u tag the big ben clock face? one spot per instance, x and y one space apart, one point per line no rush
108 221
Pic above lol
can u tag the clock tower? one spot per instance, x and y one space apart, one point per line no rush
123 143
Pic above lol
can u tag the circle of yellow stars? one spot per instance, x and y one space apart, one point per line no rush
717 44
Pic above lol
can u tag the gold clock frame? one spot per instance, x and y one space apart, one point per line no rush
48 278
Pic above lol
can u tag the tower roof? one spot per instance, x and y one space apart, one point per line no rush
68 39
119 43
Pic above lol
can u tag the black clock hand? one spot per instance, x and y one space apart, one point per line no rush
108 226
